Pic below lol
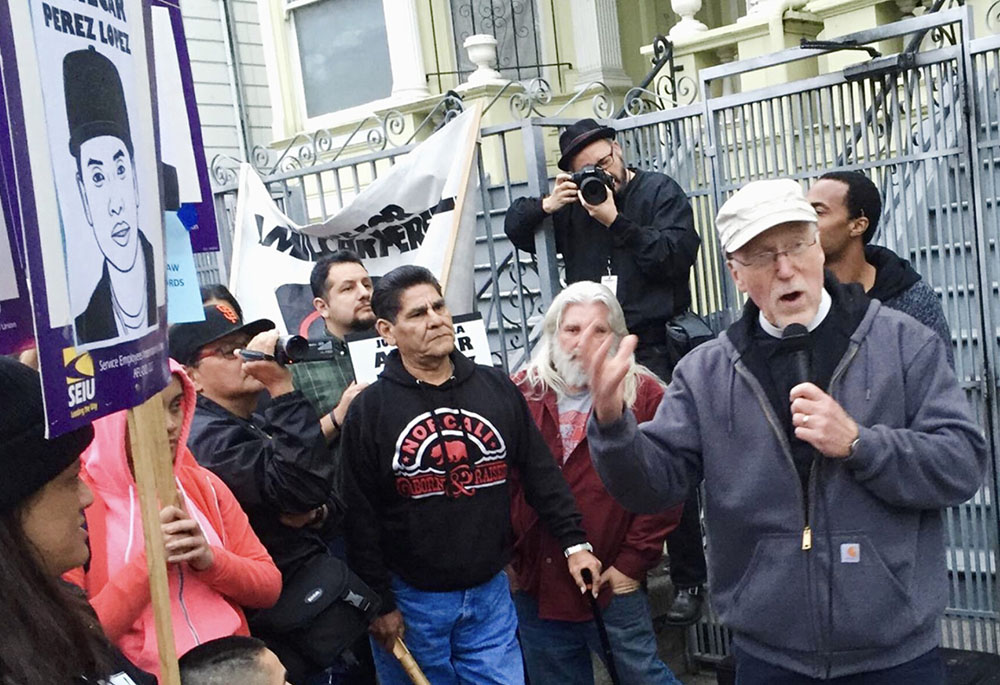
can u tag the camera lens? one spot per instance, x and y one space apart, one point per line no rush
292 347
593 190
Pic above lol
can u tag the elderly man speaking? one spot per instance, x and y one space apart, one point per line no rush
830 432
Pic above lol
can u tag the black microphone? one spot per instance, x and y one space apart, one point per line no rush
795 337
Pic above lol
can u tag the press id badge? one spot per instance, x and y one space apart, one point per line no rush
611 281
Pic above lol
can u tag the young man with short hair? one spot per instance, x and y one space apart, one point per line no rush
342 294
848 206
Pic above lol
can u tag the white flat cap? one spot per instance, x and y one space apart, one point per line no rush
758 206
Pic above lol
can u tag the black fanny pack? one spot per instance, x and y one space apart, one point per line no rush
323 608
684 333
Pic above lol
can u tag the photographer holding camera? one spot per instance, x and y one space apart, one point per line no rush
639 240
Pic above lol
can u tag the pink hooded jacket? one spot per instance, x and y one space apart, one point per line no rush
205 604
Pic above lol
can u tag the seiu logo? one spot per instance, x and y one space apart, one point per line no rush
81 387
81 392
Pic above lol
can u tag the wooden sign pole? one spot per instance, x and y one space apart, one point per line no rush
456 220
154 477
409 664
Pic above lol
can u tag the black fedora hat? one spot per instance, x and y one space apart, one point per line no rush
578 136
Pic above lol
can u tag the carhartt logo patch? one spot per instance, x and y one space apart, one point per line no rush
850 553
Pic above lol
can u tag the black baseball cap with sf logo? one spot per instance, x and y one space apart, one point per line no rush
187 339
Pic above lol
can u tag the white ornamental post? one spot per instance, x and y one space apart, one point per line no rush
482 51
688 25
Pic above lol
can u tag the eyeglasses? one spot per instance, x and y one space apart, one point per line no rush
227 351
608 159
766 258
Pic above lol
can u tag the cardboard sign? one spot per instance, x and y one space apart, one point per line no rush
369 351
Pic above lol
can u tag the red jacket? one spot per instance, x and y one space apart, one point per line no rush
632 543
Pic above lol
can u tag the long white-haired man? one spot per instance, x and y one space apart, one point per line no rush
556 625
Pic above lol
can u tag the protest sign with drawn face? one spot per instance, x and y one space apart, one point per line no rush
123 303
79 93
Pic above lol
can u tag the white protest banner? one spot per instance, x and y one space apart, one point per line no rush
421 212
369 351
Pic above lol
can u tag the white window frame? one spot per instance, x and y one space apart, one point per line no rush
329 119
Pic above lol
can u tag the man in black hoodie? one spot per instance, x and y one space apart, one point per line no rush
429 448
848 206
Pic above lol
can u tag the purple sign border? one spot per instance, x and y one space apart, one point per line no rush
204 238
16 331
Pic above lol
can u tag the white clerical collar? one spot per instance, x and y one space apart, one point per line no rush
824 309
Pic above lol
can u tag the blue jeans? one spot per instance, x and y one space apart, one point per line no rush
559 651
467 636
925 670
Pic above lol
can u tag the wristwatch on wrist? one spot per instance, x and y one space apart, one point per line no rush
573 549
853 446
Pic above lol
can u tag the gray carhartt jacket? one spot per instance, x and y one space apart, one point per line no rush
869 590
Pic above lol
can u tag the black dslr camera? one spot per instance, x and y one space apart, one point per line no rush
594 183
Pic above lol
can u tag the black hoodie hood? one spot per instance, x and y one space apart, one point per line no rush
893 274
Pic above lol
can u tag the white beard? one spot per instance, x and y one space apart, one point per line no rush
569 369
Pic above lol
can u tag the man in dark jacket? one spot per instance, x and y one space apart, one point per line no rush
640 242
830 432
428 449
848 205
277 464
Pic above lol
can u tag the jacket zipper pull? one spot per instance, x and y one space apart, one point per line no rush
807 538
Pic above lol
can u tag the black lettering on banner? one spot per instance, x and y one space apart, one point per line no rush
464 343
380 358
366 248
82 25
392 228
